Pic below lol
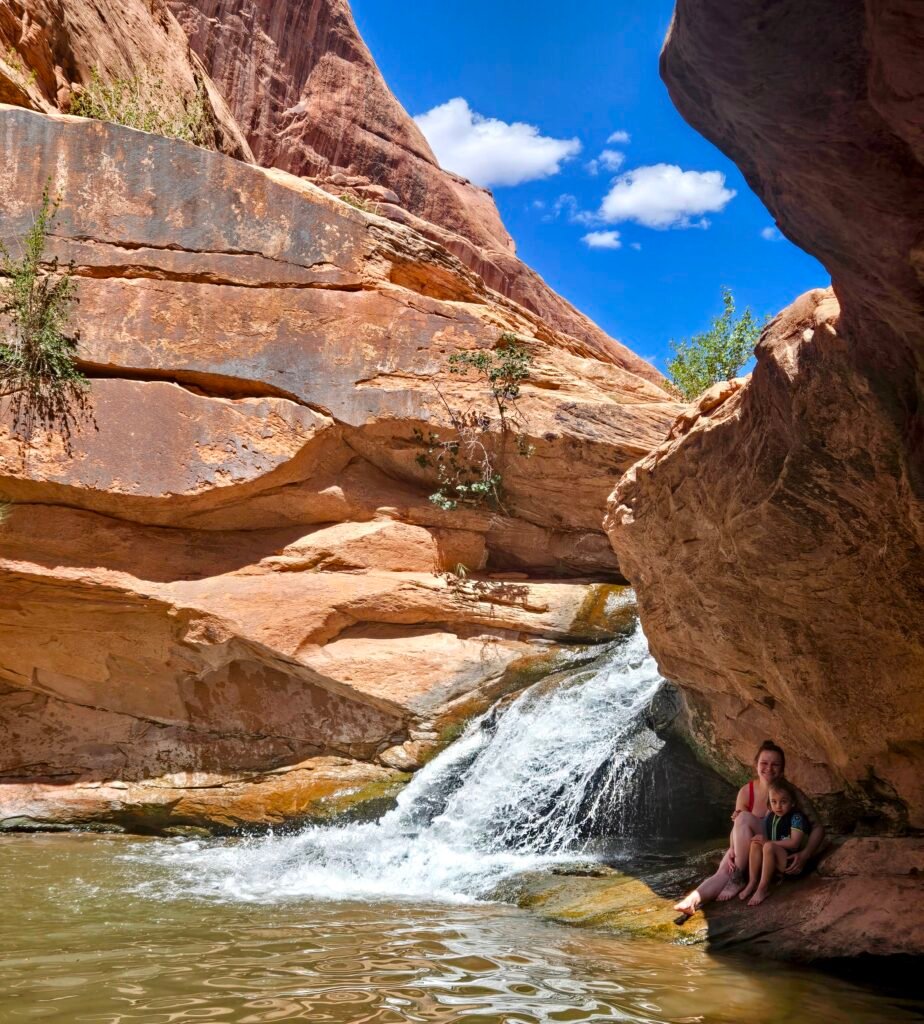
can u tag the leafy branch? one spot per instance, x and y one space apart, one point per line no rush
38 372
145 102
717 354
469 464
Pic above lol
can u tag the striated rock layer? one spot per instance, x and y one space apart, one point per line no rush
229 586
311 100
776 537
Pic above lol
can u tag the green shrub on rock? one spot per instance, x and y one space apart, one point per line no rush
718 354
39 378
468 463
144 102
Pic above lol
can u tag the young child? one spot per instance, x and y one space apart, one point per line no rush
785 830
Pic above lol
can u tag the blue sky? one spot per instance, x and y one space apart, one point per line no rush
584 72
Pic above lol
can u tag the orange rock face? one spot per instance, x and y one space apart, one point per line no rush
50 49
775 538
234 570
308 94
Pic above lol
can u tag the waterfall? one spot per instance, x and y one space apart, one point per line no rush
522 788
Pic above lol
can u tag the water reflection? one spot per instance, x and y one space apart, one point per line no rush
77 944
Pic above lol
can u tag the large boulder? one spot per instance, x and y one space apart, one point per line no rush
775 538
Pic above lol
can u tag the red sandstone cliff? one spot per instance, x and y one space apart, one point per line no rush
221 605
775 539
49 49
308 94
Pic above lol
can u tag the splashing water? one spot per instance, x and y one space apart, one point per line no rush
521 789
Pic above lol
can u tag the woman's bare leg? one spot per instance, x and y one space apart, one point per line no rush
708 889
746 826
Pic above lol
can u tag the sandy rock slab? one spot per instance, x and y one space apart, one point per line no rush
317 790
863 900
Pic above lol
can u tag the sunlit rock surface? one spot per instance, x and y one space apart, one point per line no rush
232 566
49 50
311 100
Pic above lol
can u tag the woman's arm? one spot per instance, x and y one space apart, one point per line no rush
797 861
741 801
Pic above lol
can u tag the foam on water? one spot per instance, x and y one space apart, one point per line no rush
516 792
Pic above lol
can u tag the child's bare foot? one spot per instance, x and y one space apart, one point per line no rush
732 887
758 898
747 891
689 904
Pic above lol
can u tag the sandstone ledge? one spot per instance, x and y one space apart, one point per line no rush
863 900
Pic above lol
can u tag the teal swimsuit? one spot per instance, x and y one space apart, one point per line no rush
776 827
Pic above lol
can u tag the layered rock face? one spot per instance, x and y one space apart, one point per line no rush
305 88
50 49
776 537
223 593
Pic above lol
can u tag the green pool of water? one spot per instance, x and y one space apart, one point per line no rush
92 932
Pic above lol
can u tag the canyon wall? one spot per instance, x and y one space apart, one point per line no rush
226 598
775 539
307 92
50 49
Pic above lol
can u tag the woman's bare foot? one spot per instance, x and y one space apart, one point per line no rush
759 896
732 887
689 904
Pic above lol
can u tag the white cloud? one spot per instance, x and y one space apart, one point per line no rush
637 246
771 235
609 160
567 204
620 138
490 151
602 240
664 196
612 159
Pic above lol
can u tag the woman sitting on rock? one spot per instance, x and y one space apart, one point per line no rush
786 830
751 808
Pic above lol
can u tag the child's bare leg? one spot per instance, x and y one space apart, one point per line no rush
774 859
755 864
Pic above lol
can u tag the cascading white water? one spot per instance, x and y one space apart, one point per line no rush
517 791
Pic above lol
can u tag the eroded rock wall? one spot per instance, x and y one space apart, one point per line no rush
307 92
775 538
49 50
227 583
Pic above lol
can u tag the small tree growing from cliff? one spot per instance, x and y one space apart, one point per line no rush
718 354
38 371
469 463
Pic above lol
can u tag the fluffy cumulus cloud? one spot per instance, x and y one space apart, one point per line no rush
490 151
771 235
665 196
602 240
620 138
